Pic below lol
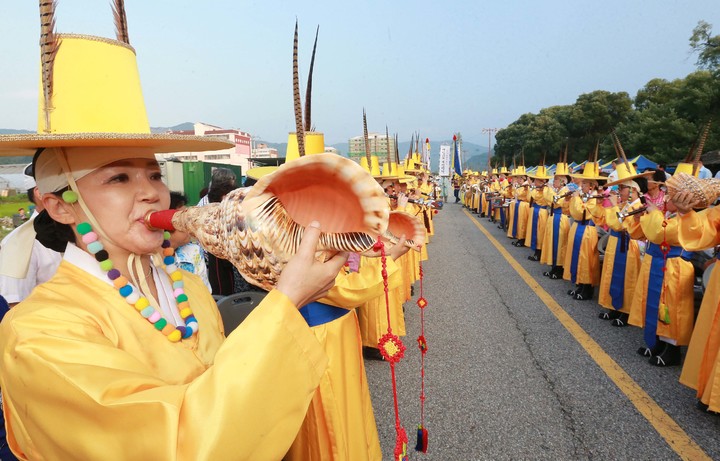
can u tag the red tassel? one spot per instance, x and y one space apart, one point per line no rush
422 439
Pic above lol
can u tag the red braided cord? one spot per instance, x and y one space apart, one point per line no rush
422 354
401 436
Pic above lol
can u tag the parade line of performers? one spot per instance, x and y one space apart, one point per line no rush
624 239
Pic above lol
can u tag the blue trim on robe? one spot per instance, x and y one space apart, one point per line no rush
655 284
577 244
317 313
557 219
617 280
516 214
536 220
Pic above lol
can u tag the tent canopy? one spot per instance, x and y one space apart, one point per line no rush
642 162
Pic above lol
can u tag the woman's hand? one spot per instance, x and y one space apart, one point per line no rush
684 201
305 279
398 249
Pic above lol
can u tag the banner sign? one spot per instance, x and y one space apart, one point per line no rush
444 160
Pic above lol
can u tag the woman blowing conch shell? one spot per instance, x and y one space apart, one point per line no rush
121 355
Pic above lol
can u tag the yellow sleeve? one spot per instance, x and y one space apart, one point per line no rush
539 196
596 211
652 227
699 230
578 209
72 393
634 228
548 195
612 220
356 288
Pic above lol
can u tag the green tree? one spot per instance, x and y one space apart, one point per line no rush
706 46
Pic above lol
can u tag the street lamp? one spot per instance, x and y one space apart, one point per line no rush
490 132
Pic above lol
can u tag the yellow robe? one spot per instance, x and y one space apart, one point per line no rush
340 424
520 227
546 257
677 290
608 216
588 259
701 370
372 315
538 199
475 205
85 377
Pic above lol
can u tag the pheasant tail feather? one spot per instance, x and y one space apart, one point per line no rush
308 90
48 50
121 28
300 133
366 140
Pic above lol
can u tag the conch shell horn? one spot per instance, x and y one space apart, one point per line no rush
258 229
705 191
401 223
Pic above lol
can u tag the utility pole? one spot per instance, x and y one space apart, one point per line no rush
490 132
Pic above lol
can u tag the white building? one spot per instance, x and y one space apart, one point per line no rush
377 142
240 154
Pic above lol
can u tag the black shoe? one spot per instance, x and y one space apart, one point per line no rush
547 273
501 227
585 294
574 291
556 273
620 321
647 352
534 258
482 215
669 357
370 353
701 406
605 316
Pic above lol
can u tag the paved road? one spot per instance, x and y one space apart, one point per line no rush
505 380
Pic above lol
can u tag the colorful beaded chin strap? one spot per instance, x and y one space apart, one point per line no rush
131 294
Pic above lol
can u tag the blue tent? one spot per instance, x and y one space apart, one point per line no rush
642 162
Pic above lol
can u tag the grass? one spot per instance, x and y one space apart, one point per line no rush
9 209
9 206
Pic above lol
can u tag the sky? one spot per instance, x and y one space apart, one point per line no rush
428 66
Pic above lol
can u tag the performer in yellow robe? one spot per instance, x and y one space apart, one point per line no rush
556 229
512 192
340 424
663 305
701 370
537 213
621 263
121 354
506 195
518 226
582 262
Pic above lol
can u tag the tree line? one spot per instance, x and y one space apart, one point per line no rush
663 121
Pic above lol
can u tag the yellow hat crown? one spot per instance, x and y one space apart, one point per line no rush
625 170
561 169
314 144
686 168
90 95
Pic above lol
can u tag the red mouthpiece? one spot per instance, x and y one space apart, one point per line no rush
160 220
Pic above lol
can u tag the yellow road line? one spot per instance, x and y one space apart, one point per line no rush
671 431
